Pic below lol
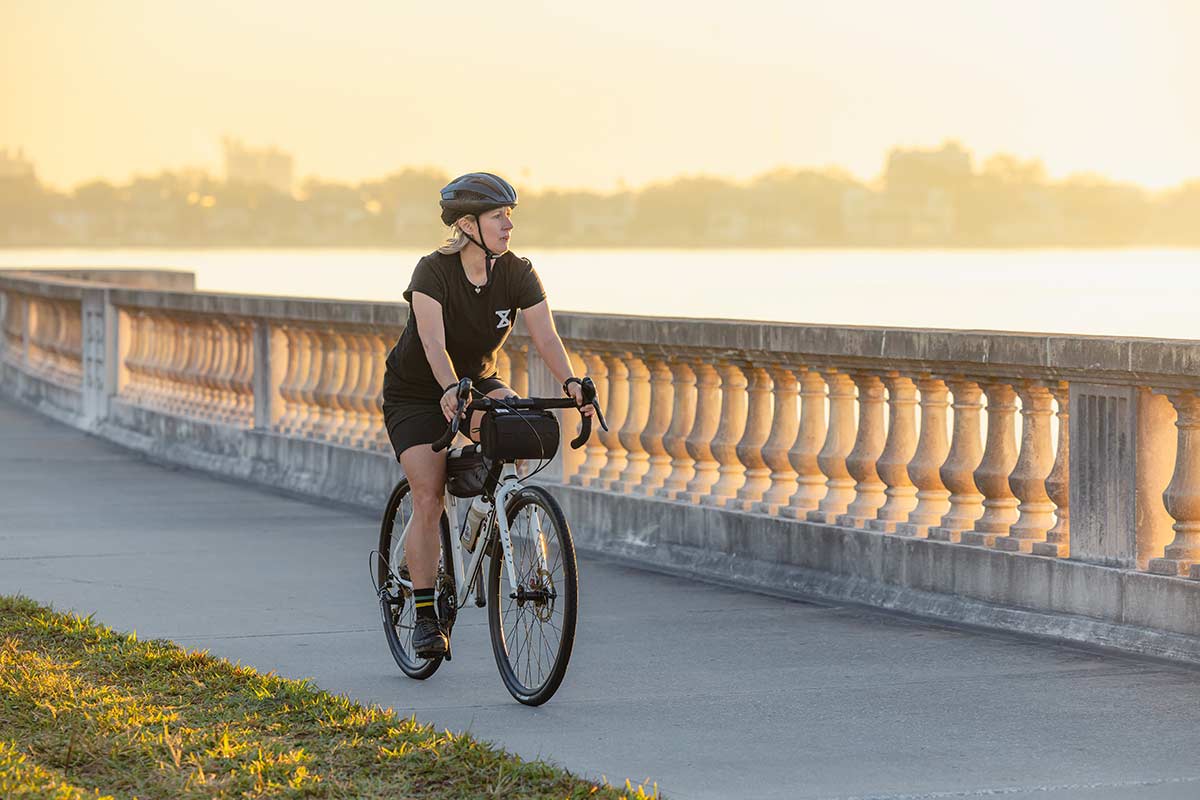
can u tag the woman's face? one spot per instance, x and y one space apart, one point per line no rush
496 228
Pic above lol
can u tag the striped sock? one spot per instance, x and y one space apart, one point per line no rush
423 601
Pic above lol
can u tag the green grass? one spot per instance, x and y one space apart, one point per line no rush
86 712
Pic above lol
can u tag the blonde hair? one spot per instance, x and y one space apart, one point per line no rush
456 240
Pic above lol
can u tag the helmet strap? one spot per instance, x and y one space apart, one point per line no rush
489 258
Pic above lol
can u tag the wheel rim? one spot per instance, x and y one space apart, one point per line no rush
532 624
401 612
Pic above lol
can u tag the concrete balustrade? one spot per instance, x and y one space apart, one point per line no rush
852 462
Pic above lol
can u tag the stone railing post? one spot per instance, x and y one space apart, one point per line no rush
704 429
99 354
1028 478
1182 497
658 422
270 366
637 460
683 416
839 441
596 451
991 476
803 454
618 410
958 470
868 446
1122 456
932 450
1058 483
731 472
785 424
759 418
897 453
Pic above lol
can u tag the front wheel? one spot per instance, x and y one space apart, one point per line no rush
533 623
395 594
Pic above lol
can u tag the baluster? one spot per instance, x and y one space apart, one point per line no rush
637 460
683 416
341 412
291 378
662 400
759 420
504 368
1028 478
958 470
519 360
176 384
785 423
730 471
839 441
805 450
868 446
704 429
1058 483
332 376
356 395
222 371
573 460
243 375
999 459
932 449
596 450
380 346
897 453
310 412
618 404
1182 497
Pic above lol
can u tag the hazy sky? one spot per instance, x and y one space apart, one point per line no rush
575 94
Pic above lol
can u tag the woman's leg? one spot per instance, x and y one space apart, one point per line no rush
426 472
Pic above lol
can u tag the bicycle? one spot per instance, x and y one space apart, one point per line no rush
529 546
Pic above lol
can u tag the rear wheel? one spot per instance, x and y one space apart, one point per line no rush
395 595
533 624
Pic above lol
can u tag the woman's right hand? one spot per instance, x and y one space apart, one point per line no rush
449 402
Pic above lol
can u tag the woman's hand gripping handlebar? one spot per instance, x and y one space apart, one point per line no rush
463 394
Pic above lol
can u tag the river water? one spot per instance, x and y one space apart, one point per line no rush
1137 292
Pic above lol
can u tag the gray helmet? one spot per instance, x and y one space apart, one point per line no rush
475 193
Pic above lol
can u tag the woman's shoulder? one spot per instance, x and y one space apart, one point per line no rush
511 260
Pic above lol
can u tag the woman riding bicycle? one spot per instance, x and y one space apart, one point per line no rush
464 299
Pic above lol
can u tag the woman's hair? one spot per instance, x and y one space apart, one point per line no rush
456 240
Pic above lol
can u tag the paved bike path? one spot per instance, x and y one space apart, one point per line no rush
709 691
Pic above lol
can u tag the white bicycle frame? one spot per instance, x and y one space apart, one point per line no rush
509 485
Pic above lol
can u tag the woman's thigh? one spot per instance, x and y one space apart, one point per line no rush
426 473
499 392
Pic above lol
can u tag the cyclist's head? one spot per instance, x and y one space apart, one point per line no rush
477 207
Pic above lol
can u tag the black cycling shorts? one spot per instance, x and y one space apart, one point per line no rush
414 422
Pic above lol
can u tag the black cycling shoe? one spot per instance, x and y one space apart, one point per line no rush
429 640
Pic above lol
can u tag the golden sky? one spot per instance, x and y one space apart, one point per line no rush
575 94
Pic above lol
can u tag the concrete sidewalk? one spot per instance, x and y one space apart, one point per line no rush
709 691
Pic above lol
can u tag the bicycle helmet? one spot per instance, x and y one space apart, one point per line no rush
471 195
475 193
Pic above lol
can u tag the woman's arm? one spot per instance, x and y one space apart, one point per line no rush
550 347
432 332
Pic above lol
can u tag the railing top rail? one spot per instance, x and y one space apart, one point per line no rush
57 288
1162 363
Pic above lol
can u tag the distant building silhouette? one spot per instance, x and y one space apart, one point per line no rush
15 165
268 166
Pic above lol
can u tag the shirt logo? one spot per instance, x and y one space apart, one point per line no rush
503 315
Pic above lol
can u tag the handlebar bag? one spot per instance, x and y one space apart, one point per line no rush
466 472
507 434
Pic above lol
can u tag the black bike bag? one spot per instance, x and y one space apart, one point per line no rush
466 472
507 434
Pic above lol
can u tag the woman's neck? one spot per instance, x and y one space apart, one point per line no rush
474 264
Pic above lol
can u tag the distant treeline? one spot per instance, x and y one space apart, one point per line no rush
934 197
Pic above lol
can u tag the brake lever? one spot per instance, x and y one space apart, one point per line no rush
599 415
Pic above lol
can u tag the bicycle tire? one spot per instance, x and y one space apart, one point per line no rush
395 601
508 617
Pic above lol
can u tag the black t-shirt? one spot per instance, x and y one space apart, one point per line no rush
476 323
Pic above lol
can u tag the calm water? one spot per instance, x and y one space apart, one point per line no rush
1121 292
